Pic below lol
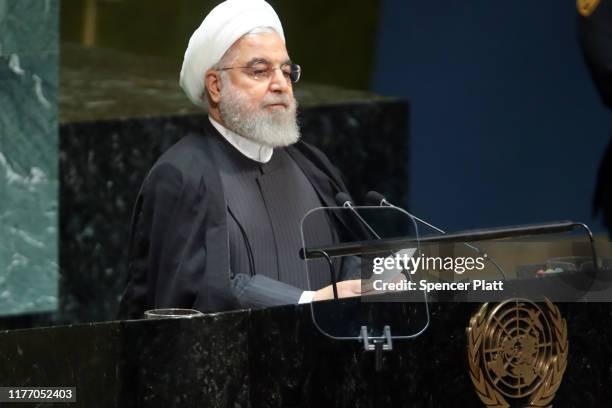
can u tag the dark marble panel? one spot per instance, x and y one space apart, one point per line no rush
319 371
588 379
103 163
86 357
147 363
277 358
176 363
303 368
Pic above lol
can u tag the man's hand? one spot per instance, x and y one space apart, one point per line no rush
348 288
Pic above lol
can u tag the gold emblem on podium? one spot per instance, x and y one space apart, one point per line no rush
517 352
587 7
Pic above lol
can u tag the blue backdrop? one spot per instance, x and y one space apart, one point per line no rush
506 124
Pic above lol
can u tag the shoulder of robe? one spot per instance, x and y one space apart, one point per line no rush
185 165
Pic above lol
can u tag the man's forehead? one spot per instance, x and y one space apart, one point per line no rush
265 46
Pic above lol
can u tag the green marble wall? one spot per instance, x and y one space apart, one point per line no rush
28 156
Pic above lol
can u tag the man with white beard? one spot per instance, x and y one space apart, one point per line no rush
216 224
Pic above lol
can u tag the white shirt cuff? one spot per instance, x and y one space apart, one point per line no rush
306 297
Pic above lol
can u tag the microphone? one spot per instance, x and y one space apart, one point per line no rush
377 199
344 200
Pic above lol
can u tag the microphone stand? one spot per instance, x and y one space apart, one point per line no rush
375 246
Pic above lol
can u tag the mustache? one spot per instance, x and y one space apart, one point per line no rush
275 99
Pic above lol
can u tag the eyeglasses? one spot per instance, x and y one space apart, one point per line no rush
263 71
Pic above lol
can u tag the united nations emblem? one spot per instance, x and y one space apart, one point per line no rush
517 351
587 7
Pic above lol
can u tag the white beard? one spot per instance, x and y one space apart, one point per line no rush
274 129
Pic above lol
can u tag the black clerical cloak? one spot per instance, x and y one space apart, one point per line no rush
178 250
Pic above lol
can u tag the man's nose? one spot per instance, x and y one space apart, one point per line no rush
278 81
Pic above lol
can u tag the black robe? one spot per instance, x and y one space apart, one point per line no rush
178 251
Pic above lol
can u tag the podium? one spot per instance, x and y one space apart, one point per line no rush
276 357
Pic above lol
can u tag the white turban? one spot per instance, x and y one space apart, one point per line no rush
221 28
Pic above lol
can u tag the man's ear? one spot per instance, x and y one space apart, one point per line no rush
212 81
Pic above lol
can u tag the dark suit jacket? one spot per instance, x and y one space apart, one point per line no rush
178 251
